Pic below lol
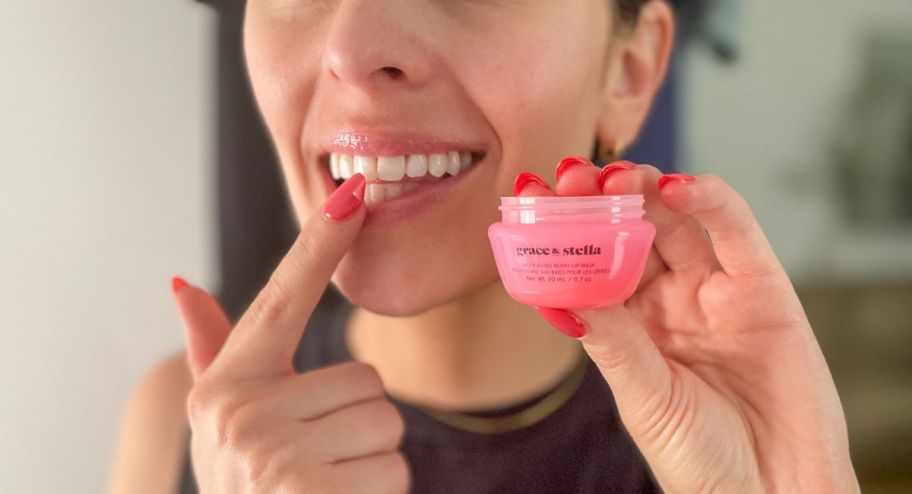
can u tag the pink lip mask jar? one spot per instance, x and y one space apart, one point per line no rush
571 252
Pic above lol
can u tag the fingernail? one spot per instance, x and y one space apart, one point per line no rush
564 321
346 199
608 170
682 178
524 179
568 163
177 283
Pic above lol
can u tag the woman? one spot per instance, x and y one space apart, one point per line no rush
718 383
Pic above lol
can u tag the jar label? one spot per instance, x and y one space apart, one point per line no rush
586 250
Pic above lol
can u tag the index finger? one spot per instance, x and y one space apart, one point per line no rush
267 335
738 241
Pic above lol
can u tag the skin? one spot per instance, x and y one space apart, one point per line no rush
716 372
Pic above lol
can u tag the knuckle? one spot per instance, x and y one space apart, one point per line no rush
271 304
739 205
261 465
294 484
305 248
390 419
215 415
727 196
285 460
303 253
733 214
719 293
233 424
309 480
368 377
714 181
610 360
399 472
230 421
325 481
733 229
196 405
650 171
199 402
312 438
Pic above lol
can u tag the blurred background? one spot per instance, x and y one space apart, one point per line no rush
130 153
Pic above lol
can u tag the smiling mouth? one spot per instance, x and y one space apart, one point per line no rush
389 177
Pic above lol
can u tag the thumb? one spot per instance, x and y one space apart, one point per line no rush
206 327
638 374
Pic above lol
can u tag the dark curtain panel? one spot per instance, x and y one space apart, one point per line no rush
255 224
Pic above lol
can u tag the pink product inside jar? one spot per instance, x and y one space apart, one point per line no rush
571 252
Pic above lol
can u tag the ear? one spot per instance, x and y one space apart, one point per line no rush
636 69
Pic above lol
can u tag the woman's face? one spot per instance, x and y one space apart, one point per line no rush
518 83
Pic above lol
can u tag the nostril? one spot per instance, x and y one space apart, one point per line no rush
392 72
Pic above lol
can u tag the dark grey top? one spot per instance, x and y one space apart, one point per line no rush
582 447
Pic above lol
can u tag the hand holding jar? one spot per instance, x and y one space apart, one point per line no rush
716 371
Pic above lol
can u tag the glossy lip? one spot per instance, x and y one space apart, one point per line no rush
401 143
394 144
414 202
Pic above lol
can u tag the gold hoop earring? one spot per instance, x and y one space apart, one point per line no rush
611 155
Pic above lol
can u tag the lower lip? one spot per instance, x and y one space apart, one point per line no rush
418 201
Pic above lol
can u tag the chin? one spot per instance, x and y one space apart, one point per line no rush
400 285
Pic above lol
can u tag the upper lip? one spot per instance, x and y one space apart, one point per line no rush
397 143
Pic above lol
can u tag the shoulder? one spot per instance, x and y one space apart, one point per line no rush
153 436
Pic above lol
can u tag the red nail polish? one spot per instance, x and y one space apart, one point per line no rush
675 177
564 321
524 179
568 163
608 170
177 283
346 199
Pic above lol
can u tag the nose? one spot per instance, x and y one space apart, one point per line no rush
376 43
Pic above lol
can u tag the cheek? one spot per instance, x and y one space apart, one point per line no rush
277 66
541 94
283 66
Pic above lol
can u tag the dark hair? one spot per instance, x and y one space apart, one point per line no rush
628 10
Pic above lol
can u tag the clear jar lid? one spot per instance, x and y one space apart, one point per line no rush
529 210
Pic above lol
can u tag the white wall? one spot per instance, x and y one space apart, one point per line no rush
763 125
105 145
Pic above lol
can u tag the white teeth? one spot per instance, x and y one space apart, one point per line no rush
417 165
346 168
393 190
454 163
466 159
334 166
375 193
391 168
437 164
385 174
367 166
379 192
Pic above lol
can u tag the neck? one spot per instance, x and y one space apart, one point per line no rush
481 351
